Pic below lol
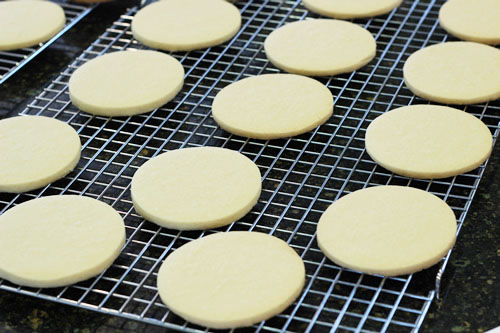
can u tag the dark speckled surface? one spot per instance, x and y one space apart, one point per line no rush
470 293
470 299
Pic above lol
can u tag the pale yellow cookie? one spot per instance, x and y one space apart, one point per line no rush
387 230
196 188
185 25
28 23
272 106
428 141
454 73
348 9
320 47
58 240
126 83
35 151
233 279
474 20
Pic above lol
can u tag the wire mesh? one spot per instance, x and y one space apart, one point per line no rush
301 176
14 60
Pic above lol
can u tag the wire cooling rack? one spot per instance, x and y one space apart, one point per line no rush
301 176
12 61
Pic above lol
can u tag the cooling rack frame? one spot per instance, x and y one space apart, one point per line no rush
12 61
301 175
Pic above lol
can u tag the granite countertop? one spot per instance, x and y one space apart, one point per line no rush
469 296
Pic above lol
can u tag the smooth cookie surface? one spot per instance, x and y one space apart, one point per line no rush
28 22
348 9
474 20
428 141
231 279
58 240
272 106
454 73
320 47
387 230
126 83
35 151
185 25
196 188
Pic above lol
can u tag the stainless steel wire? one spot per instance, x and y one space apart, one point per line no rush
301 176
12 61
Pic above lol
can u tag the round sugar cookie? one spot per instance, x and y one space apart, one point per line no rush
126 83
320 47
428 141
185 25
58 240
196 188
28 23
231 279
387 230
348 9
35 151
454 73
474 20
272 106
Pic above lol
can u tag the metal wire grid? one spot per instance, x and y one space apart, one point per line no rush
301 176
12 61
